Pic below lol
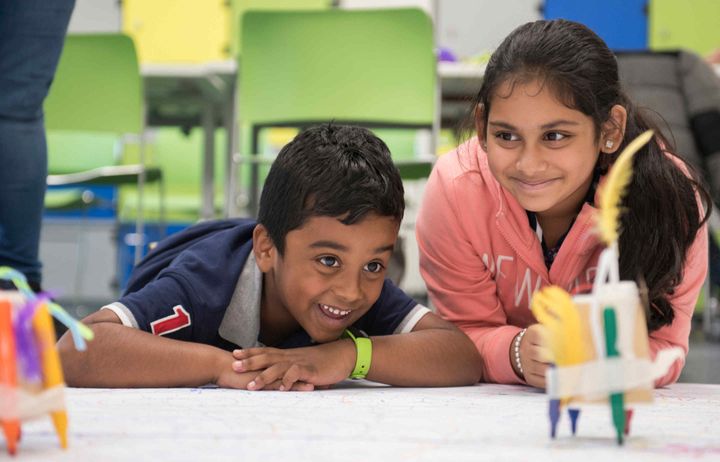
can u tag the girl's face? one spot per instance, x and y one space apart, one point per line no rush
540 150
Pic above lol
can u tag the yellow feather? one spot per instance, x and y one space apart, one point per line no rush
611 193
554 308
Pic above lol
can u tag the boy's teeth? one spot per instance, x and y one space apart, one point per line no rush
335 311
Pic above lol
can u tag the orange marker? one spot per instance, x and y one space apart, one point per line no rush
52 373
8 375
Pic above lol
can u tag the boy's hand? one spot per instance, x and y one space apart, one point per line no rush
317 366
228 378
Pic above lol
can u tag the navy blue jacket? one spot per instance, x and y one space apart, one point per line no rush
198 270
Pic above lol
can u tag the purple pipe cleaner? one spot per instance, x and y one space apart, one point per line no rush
27 347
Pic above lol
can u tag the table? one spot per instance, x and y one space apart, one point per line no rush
188 95
203 94
364 421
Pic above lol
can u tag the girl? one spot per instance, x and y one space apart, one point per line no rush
511 210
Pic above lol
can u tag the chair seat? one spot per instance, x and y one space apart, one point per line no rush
179 207
109 175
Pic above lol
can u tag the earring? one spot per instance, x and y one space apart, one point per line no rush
609 144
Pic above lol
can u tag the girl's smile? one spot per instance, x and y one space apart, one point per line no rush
540 150
532 186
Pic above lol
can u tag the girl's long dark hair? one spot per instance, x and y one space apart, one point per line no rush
662 215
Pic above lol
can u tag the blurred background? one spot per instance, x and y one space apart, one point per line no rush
167 112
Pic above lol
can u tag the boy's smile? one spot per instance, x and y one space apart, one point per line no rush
329 276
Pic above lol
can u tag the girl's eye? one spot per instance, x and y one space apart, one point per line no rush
555 136
330 262
506 136
374 267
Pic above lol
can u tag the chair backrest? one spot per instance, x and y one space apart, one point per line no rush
240 7
375 67
178 31
97 86
74 151
685 92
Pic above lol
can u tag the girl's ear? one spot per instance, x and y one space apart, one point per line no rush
263 248
613 130
480 125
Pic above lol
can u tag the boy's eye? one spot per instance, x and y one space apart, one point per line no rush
555 136
506 136
330 262
374 267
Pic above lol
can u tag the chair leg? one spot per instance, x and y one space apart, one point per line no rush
163 220
139 222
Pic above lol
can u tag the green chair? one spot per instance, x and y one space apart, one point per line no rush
374 68
94 105
239 7
180 157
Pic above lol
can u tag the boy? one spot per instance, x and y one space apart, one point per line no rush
308 278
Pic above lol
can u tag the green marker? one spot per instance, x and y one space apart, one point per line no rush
616 399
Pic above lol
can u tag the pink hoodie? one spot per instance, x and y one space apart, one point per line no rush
482 262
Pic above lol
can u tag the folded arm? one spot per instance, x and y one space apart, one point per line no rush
121 356
435 353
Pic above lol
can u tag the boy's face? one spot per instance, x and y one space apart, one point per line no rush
330 275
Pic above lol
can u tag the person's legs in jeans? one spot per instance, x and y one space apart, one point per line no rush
32 33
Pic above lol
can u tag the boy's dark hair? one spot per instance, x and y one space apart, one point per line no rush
330 170
662 216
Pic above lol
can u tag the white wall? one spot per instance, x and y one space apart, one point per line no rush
471 27
95 16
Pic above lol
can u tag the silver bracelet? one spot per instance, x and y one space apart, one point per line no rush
516 349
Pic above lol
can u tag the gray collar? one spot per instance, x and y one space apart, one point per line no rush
241 323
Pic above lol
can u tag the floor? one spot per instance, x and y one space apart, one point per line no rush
703 360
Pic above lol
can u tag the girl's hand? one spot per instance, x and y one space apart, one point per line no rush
317 366
535 356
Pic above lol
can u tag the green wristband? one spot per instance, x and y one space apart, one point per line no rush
364 353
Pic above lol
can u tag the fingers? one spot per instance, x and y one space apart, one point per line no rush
535 380
249 361
536 335
535 373
536 352
250 352
277 369
268 376
291 376
302 386
535 357
297 386
282 377
544 354
539 345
